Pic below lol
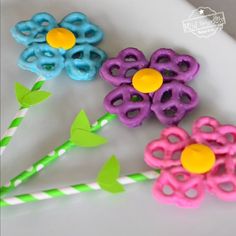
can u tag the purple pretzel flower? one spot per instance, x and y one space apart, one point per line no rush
170 101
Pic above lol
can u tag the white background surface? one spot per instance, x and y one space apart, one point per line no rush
147 25
227 6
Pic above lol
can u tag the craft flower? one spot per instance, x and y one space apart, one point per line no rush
192 164
52 46
142 86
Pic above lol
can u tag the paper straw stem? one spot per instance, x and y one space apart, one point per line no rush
75 189
50 158
17 120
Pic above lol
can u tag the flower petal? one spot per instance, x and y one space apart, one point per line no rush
176 186
33 30
131 106
165 152
85 32
42 60
221 180
120 70
220 138
84 61
173 101
181 68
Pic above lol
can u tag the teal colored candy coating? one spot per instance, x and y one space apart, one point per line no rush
84 31
82 62
33 30
43 60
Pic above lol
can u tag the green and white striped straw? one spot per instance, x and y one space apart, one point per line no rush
76 189
51 157
17 120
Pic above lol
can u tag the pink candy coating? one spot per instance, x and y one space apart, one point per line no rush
186 189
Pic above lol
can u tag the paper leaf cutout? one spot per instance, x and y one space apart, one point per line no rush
28 98
34 98
81 135
83 138
81 122
108 175
20 91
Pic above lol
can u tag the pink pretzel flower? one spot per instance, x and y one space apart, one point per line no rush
176 184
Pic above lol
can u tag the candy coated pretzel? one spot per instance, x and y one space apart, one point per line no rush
222 179
221 138
84 31
167 147
125 94
42 60
187 189
83 61
34 30
180 184
172 101
182 68
127 59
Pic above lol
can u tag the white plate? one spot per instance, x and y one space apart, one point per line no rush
147 25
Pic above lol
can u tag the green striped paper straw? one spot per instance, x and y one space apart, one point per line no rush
51 157
76 189
17 120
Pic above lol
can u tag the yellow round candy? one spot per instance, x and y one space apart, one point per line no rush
198 158
147 80
61 38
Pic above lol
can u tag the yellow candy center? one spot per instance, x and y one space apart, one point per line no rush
61 38
197 158
147 80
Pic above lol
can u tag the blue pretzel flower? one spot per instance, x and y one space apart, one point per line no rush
52 46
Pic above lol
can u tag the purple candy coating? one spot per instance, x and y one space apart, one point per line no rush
170 103
120 70
120 102
173 66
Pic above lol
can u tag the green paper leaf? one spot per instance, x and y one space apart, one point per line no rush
84 138
34 97
28 98
116 187
80 122
81 135
108 175
20 91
